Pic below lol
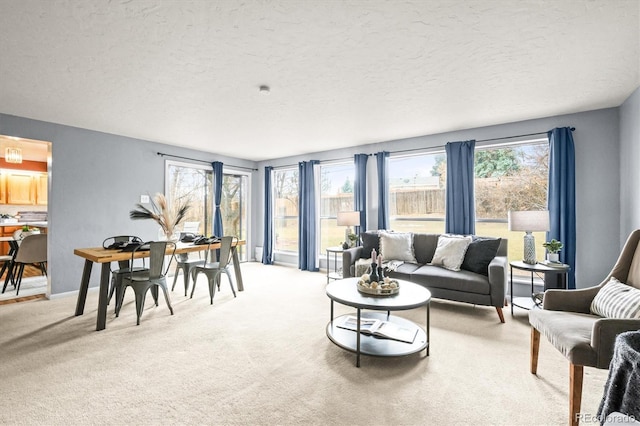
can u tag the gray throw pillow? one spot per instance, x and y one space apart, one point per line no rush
370 241
479 254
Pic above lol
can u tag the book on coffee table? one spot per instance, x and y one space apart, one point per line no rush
378 328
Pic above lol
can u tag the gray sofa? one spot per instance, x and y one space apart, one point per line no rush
459 286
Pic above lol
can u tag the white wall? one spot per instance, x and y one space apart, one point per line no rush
630 165
597 187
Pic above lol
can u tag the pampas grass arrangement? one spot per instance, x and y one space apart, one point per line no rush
167 218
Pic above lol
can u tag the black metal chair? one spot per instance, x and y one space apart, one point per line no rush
124 266
213 270
154 277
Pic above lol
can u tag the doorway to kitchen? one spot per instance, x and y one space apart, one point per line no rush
25 182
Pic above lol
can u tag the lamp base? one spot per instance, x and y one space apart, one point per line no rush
529 249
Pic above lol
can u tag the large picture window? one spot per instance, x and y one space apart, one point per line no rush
193 184
417 192
336 195
511 177
285 215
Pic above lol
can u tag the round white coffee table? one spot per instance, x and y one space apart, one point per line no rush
410 296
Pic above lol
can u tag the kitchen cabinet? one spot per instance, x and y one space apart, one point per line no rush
23 188
41 180
3 187
20 188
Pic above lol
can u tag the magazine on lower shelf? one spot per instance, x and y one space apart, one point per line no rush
376 327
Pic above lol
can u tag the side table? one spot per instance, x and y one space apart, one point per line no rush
540 270
335 274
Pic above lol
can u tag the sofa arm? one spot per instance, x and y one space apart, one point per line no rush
570 300
603 336
349 257
498 269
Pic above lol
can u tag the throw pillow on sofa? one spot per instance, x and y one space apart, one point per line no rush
397 246
479 255
370 241
450 251
616 300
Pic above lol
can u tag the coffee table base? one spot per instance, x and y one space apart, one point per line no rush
377 346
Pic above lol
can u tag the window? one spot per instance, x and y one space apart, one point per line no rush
511 177
336 195
234 208
285 215
417 192
193 184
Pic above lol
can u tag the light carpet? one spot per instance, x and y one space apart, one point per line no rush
263 358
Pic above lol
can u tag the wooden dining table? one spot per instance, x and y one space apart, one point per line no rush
106 256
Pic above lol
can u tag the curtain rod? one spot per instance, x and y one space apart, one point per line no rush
332 159
161 154
484 140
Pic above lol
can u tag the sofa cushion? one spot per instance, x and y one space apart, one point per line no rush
479 254
463 281
370 241
397 246
616 300
450 251
424 246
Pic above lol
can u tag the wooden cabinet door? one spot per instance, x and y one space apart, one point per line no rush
41 189
3 188
20 188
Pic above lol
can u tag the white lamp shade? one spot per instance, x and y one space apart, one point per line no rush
348 218
529 221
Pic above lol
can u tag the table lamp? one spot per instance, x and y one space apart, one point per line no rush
529 221
348 219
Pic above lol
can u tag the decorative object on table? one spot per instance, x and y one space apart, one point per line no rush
529 221
349 219
384 287
553 247
167 218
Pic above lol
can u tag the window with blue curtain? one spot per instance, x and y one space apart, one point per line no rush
562 196
307 251
360 190
382 160
460 216
217 194
267 249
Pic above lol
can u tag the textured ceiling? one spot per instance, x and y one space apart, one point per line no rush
342 73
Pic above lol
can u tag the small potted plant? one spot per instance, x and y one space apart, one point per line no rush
353 238
553 247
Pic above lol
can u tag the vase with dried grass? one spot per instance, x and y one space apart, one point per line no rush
166 217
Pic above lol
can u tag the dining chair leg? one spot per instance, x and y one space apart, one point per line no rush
212 286
141 295
166 298
19 278
194 278
226 271
154 293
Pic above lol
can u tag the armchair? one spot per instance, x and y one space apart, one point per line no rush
585 339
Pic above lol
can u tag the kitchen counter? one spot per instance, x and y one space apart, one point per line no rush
39 224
